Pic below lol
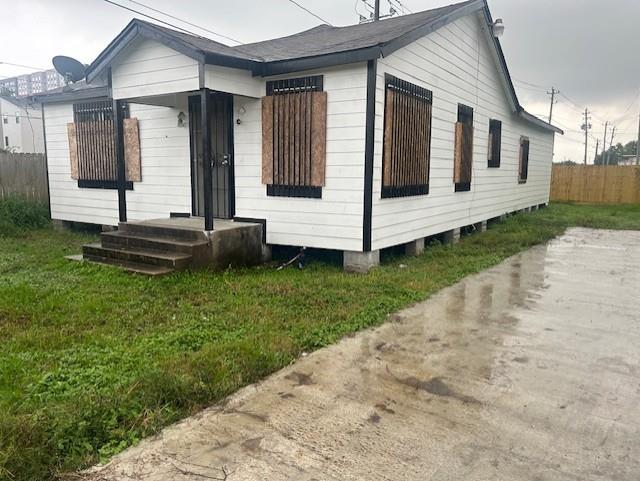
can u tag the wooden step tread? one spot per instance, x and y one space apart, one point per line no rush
133 267
155 238
171 256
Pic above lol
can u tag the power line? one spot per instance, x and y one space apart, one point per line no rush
153 18
543 87
310 12
185 21
21 66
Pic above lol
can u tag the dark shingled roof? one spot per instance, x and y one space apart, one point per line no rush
325 39
318 47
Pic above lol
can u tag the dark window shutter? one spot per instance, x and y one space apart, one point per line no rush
495 143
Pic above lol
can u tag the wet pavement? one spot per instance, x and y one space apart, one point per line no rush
527 371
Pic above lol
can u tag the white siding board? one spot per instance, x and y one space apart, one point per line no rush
147 67
447 63
166 177
335 221
233 81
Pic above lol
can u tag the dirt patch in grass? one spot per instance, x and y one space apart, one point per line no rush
93 359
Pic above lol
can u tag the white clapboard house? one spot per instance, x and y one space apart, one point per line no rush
352 138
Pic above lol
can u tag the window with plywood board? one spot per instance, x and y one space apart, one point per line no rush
463 151
407 139
294 137
92 148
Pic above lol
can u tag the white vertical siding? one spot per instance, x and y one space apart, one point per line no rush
335 221
147 67
166 181
455 63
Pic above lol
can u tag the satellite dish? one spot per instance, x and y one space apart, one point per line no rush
69 68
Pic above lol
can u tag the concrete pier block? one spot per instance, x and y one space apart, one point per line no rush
415 248
360 262
451 236
266 253
483 226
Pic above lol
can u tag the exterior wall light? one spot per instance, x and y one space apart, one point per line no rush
498 28
181 118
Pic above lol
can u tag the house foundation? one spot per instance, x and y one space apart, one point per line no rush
360 262
415 248
451 237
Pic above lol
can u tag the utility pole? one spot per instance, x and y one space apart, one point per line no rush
604 142
553 101
586 126
376 11
596 156
613 133
638 143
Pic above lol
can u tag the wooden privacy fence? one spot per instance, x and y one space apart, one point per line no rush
23 175
613 184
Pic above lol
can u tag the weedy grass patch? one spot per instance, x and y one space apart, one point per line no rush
93 359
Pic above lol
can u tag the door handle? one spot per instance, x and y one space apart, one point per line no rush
226 158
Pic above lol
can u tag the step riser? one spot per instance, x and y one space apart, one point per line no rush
158 231
89 251
122 242
128 267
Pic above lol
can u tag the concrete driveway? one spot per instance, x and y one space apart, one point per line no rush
527 371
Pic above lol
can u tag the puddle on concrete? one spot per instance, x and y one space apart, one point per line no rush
530 370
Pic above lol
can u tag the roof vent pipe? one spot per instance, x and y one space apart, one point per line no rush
498 28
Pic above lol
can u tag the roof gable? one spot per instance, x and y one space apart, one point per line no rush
321 46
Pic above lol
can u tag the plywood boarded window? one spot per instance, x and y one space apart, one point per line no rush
495 143
294 137
523 171
407 139
92 149
463 152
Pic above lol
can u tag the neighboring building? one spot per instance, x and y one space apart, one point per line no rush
31 84
21 126
355 138
628 160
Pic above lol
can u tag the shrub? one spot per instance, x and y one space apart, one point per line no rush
18 215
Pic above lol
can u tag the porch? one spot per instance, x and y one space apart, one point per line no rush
162 246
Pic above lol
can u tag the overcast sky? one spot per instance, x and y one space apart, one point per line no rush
586 48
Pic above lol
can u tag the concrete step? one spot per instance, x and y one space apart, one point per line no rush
128 240
158 230
133 267
172 260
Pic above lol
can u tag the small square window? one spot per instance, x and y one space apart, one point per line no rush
17 117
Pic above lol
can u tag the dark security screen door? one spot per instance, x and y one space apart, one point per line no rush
221 128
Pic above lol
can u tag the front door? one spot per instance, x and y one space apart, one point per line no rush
221 131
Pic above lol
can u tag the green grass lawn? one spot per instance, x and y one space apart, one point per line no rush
93 359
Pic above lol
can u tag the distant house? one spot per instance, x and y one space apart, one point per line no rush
628 160
21 125
351 138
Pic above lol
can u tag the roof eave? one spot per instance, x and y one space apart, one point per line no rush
427 28
85 94
538 122
133 30
319 61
